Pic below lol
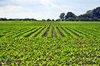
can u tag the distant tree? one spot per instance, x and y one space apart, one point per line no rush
91 15
53 20
96 14
43 20
3 19
62 16
48 19
57 19
70 16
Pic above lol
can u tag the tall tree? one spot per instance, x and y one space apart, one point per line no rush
96 13
70 16
62 16
91 15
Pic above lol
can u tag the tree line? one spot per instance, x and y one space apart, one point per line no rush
18 19
91 15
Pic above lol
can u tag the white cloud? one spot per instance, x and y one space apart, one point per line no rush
43 8
7 10
46 2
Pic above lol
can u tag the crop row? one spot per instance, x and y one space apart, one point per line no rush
52 31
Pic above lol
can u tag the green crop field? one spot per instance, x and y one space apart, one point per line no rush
27 43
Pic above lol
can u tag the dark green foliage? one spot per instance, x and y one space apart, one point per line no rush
19 19
57 19
70 16
53 20
91 15
48 19
62 16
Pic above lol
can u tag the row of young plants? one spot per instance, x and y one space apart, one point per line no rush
57 28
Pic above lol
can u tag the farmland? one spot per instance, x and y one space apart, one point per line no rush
49 43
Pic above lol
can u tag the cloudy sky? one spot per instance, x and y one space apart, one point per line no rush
41 9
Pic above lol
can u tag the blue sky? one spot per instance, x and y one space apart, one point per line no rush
44 9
